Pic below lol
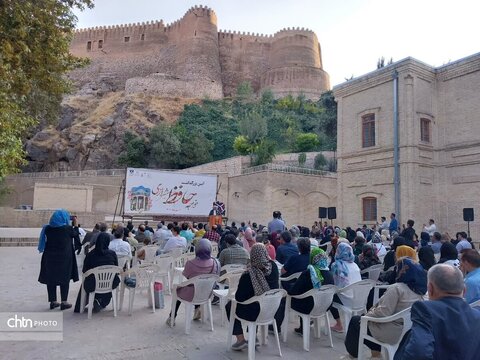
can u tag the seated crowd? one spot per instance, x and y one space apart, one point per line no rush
430 266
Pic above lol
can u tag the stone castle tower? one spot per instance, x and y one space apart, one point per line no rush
191 58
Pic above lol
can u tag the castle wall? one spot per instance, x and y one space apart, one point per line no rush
193 59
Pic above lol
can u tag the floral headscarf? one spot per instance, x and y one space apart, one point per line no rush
259 267
318 261
340 270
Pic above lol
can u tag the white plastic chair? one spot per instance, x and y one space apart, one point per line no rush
376 292
373 272
203 292
144 278
232 267
104 277
165 263
124 261
179 266
214 249
150 253
322 298
357 304
231 278
294 276
269 303
390 348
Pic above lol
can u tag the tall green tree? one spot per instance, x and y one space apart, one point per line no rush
34 55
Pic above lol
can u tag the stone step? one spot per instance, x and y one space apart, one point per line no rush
18 241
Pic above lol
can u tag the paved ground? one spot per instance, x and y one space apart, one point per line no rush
143 335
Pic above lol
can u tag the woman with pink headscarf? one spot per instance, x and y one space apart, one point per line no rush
248 239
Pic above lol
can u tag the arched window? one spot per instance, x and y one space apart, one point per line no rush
369 208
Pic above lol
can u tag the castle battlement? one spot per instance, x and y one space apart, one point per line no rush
193 49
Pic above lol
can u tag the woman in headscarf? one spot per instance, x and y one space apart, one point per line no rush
203 263
449 254
405 251
316 275
358 245
261 276
377 242
58 264
426 257
424 239
410 286
99 256
345 272
368 257
389 260
248 239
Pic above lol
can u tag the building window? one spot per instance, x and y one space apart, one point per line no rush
368 130
126 39
142 37
369 206
100 44
89 46
425 130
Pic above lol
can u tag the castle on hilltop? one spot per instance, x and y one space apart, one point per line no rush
191 58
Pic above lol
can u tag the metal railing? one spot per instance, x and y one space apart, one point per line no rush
285 169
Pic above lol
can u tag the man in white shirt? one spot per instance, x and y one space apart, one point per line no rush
431 228
121 248
383 225
176 241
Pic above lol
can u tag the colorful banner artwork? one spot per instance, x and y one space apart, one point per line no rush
154 192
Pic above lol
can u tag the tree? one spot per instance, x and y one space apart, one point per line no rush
302 159
165 147
306 142
319 161
35 39
136 151
194 149
264 152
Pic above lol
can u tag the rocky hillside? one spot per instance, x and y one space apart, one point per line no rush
90 132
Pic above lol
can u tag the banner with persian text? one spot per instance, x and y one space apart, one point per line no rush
155 192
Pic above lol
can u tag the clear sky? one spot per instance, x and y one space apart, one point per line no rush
353 34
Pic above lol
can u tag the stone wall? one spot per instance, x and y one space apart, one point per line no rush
195 59
437 178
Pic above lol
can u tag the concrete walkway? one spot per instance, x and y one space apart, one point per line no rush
143 335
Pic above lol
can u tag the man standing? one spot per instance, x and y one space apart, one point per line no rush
470 266
409 234
383 224
431 228
444 327
393 224
277 224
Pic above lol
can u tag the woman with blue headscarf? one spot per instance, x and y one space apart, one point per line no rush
316 275
58 265
345 272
